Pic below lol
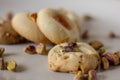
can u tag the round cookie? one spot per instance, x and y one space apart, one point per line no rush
8 35
25 25
72 57
57 27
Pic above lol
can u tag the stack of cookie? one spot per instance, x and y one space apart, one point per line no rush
48 25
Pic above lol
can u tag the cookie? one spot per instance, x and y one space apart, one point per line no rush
72 57
25 25
57 27
8 35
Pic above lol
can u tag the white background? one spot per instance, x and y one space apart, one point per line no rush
106 17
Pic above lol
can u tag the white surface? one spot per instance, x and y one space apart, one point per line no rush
106 16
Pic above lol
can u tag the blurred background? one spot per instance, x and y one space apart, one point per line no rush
105 16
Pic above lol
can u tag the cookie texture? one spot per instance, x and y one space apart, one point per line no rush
57 27
69 57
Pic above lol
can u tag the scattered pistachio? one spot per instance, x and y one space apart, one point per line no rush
112 35
87 18
101 51
85 34
117 53
79 76
9 16
96 44
41 49
2 51
30 49
11 65
112 58
92 75
1 63
105 63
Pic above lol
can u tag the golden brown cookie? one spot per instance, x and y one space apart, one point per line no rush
72 57
57 27
8 35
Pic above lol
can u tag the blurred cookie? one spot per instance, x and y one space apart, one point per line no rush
8 35
25 25
57 27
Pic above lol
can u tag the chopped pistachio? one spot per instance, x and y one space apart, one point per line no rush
1 63
41 49
96 44
112 35
105 63
112 58
79 76
85 34
92 75
2 51
11 65
30 49
101 51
